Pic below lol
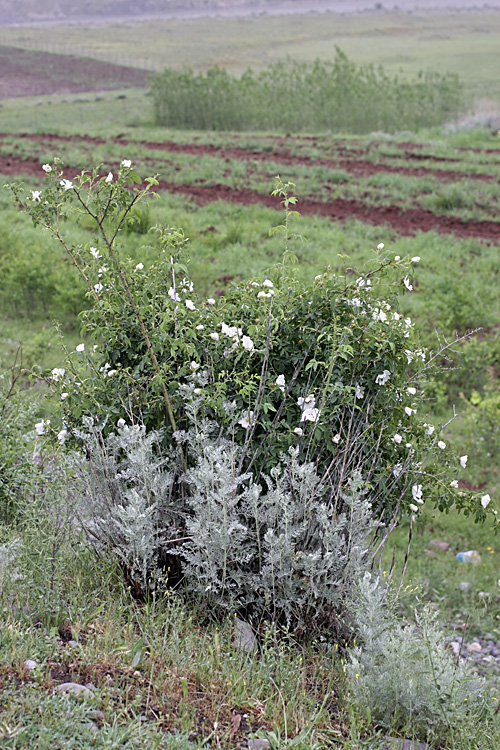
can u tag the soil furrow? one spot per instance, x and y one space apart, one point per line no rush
403 221
352 165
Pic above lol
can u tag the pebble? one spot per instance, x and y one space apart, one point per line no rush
397 744
439 545
244 638
29 664
481 652
258 744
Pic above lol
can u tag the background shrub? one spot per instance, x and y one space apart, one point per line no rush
290 96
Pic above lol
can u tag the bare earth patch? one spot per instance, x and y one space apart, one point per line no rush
30 73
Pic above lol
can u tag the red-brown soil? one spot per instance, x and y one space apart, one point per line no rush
349 161
31 73
402 221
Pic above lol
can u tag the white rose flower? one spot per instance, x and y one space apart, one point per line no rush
109 178
126 163
210 301
311 415
463 461
247 343
485 501
46 168
80 348
383 377
41 426
454 484
214 335
413 508
246 420
442 445
58 372
190 304
268 283
397 438
139 267
416 492
281 383
299 431
359 392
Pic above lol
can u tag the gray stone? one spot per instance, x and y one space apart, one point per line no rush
244 639
73 687
30 664
465 586
474 647
439 545
258 744
397 744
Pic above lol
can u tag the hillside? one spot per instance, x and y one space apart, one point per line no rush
27 12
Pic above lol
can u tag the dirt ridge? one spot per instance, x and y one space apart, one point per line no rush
405 222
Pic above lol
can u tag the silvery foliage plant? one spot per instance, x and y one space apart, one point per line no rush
127 505
401 672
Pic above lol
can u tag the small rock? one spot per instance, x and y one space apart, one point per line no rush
439 545
72 643
429 552
474 647
455 647
30 664
91 686
244 638
465 586
75 688
396 744
258 744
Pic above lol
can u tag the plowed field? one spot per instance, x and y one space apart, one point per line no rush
31 73
410 187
